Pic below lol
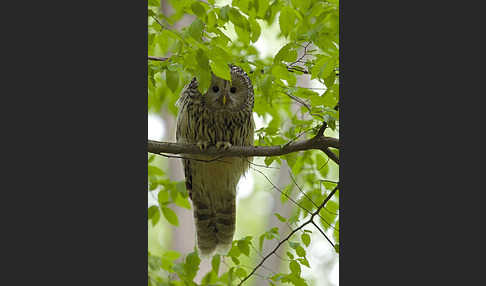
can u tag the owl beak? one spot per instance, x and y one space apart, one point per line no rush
224 98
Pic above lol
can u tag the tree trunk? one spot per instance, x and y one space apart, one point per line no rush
183 236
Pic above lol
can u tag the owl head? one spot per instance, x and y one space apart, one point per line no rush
234 95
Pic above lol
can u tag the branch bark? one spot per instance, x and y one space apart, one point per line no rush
157 58
317 143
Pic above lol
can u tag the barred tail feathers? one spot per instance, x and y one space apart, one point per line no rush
215 223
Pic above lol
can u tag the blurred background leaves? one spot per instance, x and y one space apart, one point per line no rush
290 49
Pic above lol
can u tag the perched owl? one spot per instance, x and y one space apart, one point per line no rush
221 117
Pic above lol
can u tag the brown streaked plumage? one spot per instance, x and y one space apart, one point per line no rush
221 117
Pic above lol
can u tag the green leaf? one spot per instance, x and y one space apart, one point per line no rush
305 239
329 81
255 29
204 80
336 231
154 3
154 214
295 268
196 29
240 272
163 197
273 232
302 5
280 71
243 35
171 255
170 215
286 53
151 13
215 263
336 247
202 59
262 7
181 188
300 251
151 158
209 279
331 22
198 9
261 240
238 20
220 69
329 214
286 20
182 202
211 20
323 67
235 260
323 164
153 261
277 277
280 218
191 265
235 250
171 34
154 171
290 255
293 245
224 13
284 197
329 185
219 54
304 261
242 4
203 69
243 246
269 160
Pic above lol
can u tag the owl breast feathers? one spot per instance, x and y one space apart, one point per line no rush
221 117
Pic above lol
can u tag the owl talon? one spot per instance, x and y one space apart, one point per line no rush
223 144
203 145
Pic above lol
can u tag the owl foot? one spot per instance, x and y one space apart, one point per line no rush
223 144
203 145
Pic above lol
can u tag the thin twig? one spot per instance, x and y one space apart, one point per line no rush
320 230
157 20
161 59
263 166
293 69
327 161
325 180
331 155
308 198
280 191
303 103
290 235
303 54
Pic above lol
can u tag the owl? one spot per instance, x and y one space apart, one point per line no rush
221 117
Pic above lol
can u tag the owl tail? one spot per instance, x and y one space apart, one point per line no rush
215 223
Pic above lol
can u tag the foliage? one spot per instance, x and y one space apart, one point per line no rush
208 45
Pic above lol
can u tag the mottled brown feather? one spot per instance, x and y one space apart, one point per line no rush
212 185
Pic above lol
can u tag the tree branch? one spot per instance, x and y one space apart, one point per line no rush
310 220
317 142
157 59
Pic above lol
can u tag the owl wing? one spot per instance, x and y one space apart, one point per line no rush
183 126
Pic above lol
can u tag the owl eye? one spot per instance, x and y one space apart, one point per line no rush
215 88
233 89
